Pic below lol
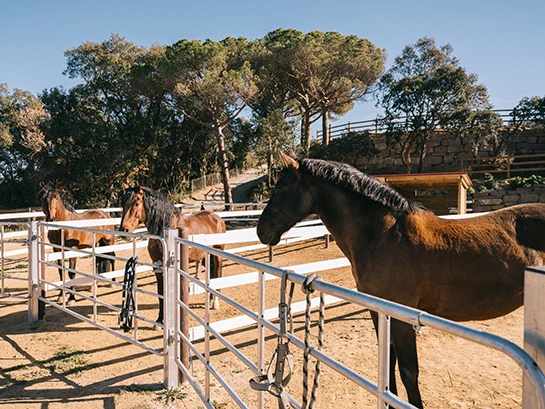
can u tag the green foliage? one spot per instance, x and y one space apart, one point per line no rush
172 394
529 112
519 181
67 359
427 88
489 183
348 148
316 74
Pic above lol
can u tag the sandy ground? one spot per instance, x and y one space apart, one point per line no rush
63 362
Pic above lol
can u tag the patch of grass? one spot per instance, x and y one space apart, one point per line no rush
67 359
170 395
219 405
136 389
31 375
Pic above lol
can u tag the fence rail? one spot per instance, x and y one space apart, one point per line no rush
174 336
210 180
504 164
378 125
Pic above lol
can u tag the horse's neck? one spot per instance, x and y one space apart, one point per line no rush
63 214
348 216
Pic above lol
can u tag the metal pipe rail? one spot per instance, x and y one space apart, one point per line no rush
385 309
7 259
94 278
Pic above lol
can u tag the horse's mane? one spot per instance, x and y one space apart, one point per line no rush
49 190
159 210
348 177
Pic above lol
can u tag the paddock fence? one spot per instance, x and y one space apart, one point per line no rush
183 346
259 319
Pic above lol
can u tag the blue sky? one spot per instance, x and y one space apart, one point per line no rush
503 42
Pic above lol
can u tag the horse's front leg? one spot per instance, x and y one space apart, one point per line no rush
72 275
159 279
404 341
215 272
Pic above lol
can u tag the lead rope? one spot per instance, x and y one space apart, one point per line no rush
306 288
127 297
274 380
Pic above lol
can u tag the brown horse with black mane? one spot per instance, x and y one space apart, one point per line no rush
56 210
462 269
144 205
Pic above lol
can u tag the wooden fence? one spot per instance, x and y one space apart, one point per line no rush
504 164
378 125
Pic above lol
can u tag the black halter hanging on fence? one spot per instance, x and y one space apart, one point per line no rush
127 303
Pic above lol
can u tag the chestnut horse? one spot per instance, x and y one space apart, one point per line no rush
460 269
56 210
145 205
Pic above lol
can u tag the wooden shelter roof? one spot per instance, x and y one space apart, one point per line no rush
439 178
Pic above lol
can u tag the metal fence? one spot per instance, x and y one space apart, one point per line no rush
211 180
178 340
386 310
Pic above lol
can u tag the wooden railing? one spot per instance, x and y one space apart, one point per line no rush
378 125
504 164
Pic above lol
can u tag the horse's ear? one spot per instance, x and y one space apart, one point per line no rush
42 184
124 186
289 162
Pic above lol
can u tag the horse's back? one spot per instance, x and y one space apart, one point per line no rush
205 222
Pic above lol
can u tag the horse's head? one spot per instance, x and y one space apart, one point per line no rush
290 202
134 213
50 200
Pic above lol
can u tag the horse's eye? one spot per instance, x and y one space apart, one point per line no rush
136 204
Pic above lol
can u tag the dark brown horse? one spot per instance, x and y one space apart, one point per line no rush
56 210
465 269
145 205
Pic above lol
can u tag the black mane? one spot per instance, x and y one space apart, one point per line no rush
45 194
159 210
348 177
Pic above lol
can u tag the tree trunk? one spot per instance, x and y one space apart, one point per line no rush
423 152
326 137
305 133
224 166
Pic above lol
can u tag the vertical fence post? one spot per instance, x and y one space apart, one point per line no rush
384 322
534 329
183 318
261 334
271 254
33 272
170 368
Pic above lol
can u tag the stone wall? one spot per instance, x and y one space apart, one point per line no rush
497 199
444 153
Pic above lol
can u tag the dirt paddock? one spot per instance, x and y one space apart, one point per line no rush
63 362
